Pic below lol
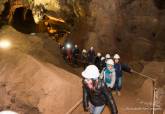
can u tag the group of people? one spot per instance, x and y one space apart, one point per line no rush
70 54
98 86
102 76
73 55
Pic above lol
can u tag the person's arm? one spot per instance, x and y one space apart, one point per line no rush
85 99
126 68
113 79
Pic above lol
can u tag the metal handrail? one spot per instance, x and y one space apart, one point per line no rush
140 74
154 89
74 107
145 76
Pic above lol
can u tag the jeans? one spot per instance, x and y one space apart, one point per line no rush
118 84
96 109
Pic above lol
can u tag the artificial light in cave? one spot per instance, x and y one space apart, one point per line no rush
5 44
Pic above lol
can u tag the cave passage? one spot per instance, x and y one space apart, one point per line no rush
23 23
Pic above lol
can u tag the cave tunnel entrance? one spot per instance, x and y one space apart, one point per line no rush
23 20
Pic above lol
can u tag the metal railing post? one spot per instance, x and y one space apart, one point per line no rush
154 89
154 98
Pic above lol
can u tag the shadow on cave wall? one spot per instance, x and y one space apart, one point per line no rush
160 4
23 23
5 12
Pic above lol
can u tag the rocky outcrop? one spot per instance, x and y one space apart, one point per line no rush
28 83
2 2
31 87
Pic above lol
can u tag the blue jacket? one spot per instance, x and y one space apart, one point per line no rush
119 68
108 76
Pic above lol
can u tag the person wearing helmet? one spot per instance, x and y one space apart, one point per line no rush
75 54
98 61
68 46
91 56
84 58
95 92
107 56
108 74
119 68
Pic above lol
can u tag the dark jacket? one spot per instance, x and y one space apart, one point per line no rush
76 52
103 64
98 97
98 62
119 68
91 56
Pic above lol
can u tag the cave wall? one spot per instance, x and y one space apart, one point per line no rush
141 30
97 26
133 28
53 5
2 5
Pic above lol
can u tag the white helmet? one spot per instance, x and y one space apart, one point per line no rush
8 112
102 58
110 62
76 46
98 54
91 72
84 50
107 56
116 56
